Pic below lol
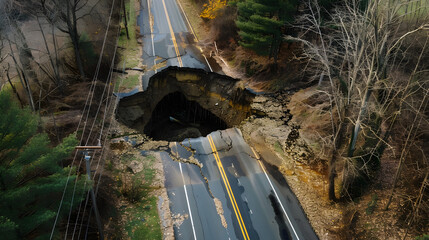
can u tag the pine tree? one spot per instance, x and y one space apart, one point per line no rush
31 178
260 23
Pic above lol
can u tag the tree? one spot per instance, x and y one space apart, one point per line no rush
260 23
9 16
31 177
359 52
65 15
212 8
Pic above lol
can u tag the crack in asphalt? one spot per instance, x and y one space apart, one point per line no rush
189 149
251 155
192 160
228 144
164 58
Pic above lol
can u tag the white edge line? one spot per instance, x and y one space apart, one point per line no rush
151 34
187 200
193 33
281 206
277 196
190 26
208 64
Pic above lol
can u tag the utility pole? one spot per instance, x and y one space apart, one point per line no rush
88 172
125 17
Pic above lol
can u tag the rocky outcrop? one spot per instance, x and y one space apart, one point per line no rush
221 95
271 124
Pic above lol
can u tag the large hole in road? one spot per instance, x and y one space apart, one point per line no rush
176 118
182 103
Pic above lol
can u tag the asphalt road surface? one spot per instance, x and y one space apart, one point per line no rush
217 185
223 168
168 39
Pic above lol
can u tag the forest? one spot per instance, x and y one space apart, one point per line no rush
355 75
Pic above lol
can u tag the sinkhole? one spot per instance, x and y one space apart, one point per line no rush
182 103
175 118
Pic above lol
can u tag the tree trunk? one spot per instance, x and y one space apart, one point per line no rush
125 19
13 88
25 55
331 176
338 139
51 60
75 42
23 79
406 149
357 127
74 35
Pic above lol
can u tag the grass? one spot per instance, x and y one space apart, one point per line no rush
415 10
130 45
278 148
193 11
127 158
131 21
142 219
130 54
129 82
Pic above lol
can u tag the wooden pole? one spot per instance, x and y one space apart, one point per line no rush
94 201
88 147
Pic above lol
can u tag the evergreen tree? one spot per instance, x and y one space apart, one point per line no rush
260 23
31 178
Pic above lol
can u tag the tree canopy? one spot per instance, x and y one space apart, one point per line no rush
31 177
260 23
211 8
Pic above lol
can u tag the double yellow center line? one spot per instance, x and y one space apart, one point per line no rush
228 189
176 48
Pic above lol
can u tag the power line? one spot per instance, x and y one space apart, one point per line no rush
115 104
107 106
107 85
92 89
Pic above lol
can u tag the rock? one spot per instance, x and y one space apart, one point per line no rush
189 132
135 166
213 92
258 113
150 145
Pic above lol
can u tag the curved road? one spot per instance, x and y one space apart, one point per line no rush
228 194
166 39
254 204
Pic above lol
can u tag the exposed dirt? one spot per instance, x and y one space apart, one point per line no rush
163 208
206 96
273 135
291 131
179 218
126 145
127 141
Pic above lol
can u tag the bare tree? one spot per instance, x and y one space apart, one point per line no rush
65 15
53 57
10 13
358 51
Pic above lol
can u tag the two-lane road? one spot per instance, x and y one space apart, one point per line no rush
226 193
167 40
251 203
